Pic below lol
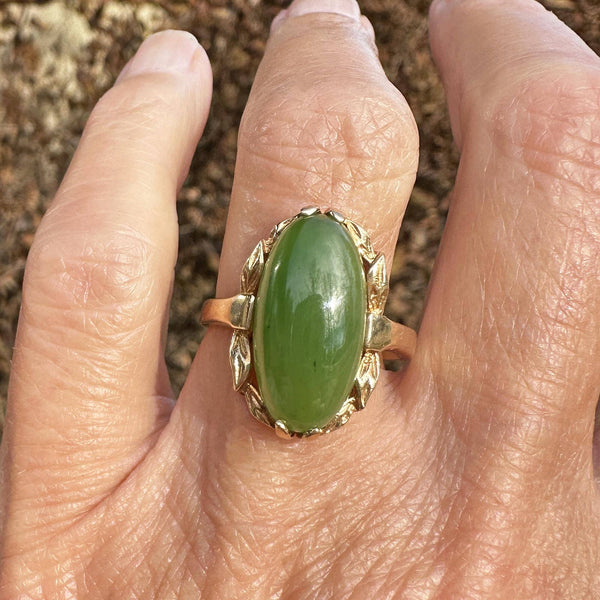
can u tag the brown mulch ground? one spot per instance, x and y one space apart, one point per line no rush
57 58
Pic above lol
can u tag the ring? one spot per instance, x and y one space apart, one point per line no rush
309 334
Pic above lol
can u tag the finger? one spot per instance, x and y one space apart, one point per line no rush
323 126
89 382
512 326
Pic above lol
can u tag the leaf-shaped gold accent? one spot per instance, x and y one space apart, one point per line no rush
252 270
361 239
239 357
256 406
282 431
267 245
278 230
377 286
308 211
337 216
342 416
367 376
315 431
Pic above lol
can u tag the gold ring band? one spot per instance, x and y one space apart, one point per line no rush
382 334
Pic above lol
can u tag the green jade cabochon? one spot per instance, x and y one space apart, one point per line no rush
309 323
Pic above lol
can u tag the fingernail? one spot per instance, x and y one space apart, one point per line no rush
163 52
347 8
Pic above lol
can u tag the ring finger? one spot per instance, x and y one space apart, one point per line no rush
302 142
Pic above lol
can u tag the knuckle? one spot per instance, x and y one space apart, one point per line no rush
132 109
553 121
333 142
95 284
548 129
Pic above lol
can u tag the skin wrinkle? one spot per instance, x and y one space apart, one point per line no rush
323 163
134 111
193 506
285 113
152 177
485 486
195 570
104 355
93 321
112 544
80 279
526 129
372 510
232 547
313 552
72 524
118 225
316 187
91 394
79 195
376 124
99 363
568 110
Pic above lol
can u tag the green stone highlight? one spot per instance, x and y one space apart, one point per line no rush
309 321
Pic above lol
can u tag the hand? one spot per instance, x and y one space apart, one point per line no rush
468 476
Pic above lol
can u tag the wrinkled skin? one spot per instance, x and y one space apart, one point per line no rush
468 476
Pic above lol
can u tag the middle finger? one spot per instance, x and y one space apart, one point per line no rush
323 126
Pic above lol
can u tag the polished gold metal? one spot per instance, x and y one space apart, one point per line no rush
240 358
281 430
377 286
378 332
361 239
383 338
256 406
403 343
367 376
308 211
234 312
334 214
252 270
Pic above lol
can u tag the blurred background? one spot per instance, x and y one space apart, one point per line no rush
58 57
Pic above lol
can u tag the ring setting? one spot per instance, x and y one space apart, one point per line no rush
309 332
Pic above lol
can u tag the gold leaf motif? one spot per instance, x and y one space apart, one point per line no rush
336 216
255 405
252 270
282 431
308 211
316 431
362 240
239 357
342 416
283 224
267 245
377 286
367 376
